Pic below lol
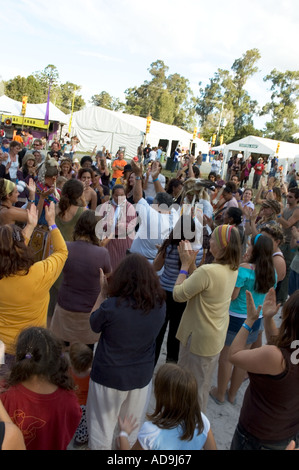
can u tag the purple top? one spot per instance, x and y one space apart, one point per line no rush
80 285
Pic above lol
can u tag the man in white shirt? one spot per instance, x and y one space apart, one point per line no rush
155 221
216 165
153 154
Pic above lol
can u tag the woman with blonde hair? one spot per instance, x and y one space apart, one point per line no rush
207 291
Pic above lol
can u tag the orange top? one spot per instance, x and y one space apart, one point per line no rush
81 389
118 173
18 138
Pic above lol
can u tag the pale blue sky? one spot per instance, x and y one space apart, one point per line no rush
108 45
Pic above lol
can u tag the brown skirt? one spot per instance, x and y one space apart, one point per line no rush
73 326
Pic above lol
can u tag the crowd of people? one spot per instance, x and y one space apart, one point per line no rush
100 258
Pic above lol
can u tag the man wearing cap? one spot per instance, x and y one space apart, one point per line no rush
258 171
269 212
288 219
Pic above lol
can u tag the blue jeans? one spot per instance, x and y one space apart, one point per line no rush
242 440
293 282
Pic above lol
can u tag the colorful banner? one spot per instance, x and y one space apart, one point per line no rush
48 106
71 118
25 121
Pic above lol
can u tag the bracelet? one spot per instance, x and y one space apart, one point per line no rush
52 227
31 200
123 434
297 241
247 327
137 178
182 271
247 220
270 191
157 179
278 216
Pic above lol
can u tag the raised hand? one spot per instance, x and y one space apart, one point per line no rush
50 213
270 308
252 312
32 215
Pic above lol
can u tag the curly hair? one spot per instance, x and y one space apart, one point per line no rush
141 288
85 170
275 231
39 352
15 256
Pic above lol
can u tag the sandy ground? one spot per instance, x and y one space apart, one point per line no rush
223 418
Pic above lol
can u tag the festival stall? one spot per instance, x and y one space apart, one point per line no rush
12 119
286 152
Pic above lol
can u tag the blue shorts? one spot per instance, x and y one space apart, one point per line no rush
235 323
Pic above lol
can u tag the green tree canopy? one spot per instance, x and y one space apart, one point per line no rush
36 87
225 96
168 98
283 107
105 100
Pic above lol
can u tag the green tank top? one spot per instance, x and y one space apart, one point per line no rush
67 228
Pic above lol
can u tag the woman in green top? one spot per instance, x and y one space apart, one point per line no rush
70 207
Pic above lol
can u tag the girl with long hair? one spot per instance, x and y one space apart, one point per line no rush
169 258
257 276
176 422
128 314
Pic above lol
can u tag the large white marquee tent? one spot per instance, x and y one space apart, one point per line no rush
101 127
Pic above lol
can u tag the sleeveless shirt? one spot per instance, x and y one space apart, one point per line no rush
287 214
270 409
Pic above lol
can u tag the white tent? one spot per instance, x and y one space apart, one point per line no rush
10 107
111 129
287 153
